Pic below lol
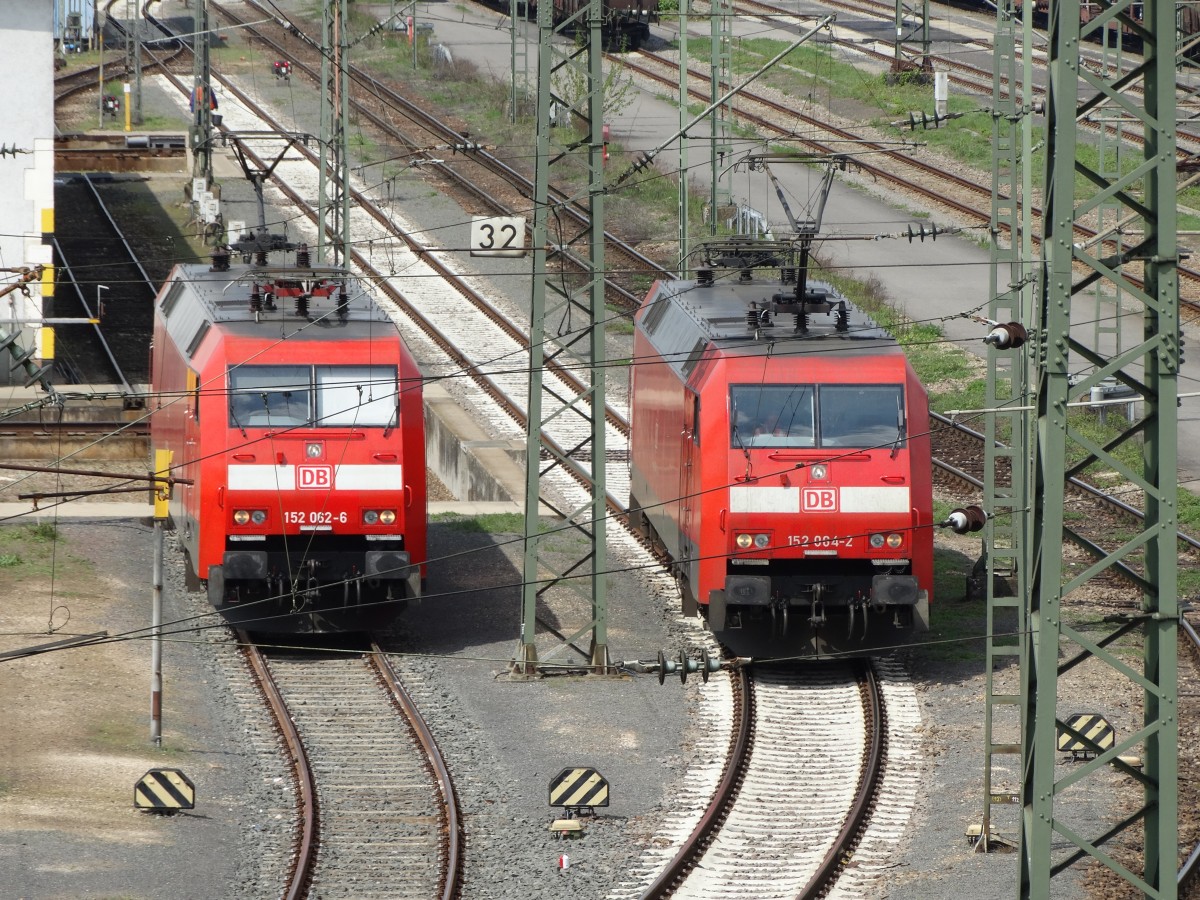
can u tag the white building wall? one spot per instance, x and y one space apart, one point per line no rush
26 178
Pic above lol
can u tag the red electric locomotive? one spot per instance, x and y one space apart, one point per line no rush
779 453
293 406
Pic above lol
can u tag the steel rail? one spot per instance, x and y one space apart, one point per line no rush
1081 486
571 208
870 782
737 760
301 868
967 210
451 878
379 279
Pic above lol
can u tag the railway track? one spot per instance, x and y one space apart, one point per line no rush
487 182
377 809
963 196
828 725
487 353
98 268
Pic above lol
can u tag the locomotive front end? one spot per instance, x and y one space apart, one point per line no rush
317 510
822 520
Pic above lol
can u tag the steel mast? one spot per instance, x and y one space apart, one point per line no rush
201 88
574 309
1006 448
1143 272
334 182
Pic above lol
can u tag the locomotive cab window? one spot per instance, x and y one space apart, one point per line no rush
772 415
356 395
269 396
806 415
862 415
328 396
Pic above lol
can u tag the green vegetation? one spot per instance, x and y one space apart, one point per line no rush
956 626
487 523
32 551
812 74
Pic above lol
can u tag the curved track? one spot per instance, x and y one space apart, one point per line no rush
798 733
503 190
377 811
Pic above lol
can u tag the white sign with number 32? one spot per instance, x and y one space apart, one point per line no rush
498 236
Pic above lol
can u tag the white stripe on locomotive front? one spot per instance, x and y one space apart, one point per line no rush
849 500
345 478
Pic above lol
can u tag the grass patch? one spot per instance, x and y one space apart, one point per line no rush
43 531
33 551
956 627
486 523
118 736
1189 512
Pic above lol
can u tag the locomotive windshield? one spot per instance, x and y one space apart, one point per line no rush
808 415
331 396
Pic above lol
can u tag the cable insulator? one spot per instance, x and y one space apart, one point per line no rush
966 520
303 259
302 306
704 277
1008 336
260 257
256 300
787 275
220 259
801 322
842 322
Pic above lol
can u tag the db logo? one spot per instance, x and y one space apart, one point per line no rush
821 499
314 478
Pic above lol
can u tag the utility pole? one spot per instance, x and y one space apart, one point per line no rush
133 60
907 34
1055 833
334 183
1007 430
201 99
684 212
721 77
581 350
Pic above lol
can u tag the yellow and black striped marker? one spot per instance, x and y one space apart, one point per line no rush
579 787
164 790
1095 727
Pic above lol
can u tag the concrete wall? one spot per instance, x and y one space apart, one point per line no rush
26 179
468 463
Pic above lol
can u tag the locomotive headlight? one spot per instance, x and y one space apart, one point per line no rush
241 517
895 540
371 517
258 516
876 541
819 472
387 516
762 540
744 541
